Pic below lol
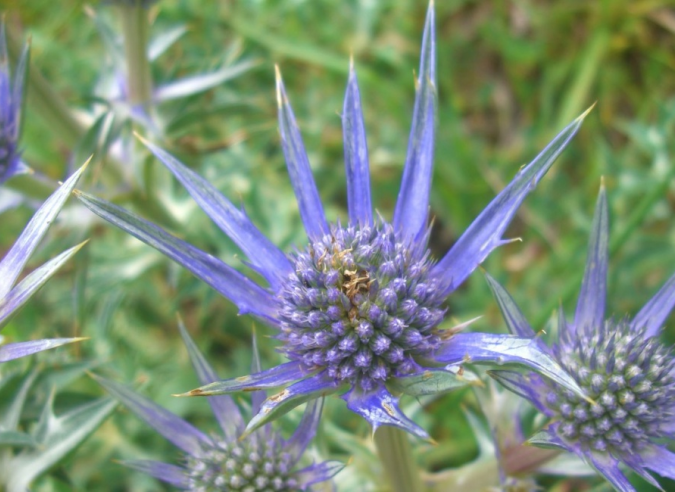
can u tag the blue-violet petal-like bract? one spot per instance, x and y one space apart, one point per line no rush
626 372
261 461
358 309
12 297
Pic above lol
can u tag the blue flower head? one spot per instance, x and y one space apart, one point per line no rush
358 309
12 296
263 461
621 365
11 98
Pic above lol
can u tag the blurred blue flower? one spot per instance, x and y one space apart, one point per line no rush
12 297
359 308
262 461
11 98
619 363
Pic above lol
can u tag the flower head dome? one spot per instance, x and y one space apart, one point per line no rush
622 366
358 309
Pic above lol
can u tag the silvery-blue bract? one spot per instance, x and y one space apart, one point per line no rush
358 309
262 461
12 297
619 363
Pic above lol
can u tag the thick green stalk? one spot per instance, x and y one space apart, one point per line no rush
135 27
396 456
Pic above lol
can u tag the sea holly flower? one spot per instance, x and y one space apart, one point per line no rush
12 297
262 461
11 99
619 363
359 308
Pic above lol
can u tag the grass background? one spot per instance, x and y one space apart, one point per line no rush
510 74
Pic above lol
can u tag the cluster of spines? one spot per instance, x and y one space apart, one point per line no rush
361 303
630 379
253 465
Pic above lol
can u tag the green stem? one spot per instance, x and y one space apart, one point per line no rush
135 27
396 456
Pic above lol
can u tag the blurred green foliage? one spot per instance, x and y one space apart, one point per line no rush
510 73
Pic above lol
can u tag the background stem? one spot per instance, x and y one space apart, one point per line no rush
395 452
135 28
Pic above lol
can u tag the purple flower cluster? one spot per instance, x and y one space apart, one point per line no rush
359 309
262 461
362 304
630 378
626 372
